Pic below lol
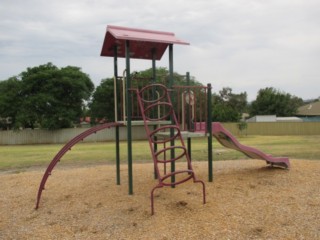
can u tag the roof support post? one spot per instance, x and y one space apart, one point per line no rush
172 153
153 81
154 75
116 100
170 65
129 112
188 119
209 130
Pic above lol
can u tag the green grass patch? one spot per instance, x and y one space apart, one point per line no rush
25 156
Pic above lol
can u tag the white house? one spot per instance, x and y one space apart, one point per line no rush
273 118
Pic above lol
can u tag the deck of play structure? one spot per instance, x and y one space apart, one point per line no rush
171 113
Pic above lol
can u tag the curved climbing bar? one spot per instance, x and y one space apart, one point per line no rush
65 149
159 88
163 128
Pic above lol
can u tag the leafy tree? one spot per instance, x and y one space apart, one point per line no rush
227 106
49 97
272 101
10 101
102 102
162 76
242 126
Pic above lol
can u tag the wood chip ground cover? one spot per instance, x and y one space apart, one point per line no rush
247 200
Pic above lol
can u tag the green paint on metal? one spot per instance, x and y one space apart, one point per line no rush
189 147
209 127
154 76
117 112
129 112
189 124
172 153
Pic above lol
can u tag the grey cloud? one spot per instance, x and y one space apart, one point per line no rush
244 44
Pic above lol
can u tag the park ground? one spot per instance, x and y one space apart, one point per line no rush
246 200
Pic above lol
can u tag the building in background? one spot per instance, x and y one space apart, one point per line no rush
310 112
273 118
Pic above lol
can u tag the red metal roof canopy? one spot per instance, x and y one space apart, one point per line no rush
142 42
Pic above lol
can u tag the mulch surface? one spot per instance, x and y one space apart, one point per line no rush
247 200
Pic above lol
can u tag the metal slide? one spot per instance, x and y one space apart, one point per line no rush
226 139
65 149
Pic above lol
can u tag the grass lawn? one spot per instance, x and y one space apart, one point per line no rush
25 156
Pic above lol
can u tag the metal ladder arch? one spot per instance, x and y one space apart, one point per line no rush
146 106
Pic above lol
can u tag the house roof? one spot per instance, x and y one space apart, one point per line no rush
142 42
311 109
263 118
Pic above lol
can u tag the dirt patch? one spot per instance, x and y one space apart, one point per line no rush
247 200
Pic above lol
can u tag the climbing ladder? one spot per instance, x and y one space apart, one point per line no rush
156 106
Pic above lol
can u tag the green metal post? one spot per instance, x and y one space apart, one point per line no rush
209 128
129 112
172 153
189 147
154 73
117 112
187 117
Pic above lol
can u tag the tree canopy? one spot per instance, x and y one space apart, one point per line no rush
228 106
270 101
162 76
45 96
102 102
10 101
49 97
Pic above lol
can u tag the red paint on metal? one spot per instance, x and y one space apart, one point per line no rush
142 42
147 104
226 139
65 149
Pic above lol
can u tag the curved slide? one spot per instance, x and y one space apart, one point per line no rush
226 139
68 147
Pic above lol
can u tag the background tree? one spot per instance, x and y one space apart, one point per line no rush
227 106
10 101
162 76
102 103
272 101
49 97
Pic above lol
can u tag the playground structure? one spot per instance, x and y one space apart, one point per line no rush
225 138
170 113
151 111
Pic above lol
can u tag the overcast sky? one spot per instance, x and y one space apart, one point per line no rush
243 44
